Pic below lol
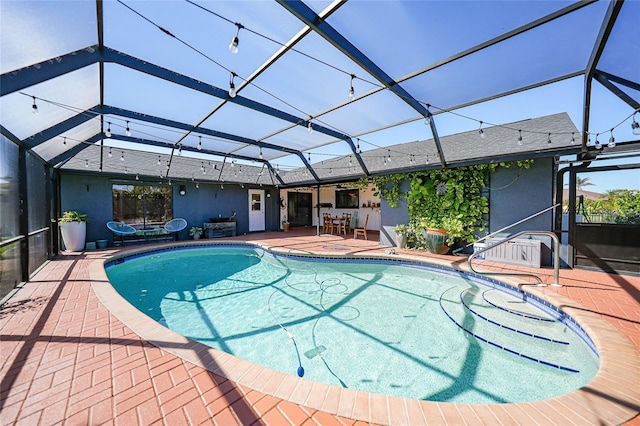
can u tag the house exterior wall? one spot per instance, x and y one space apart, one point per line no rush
92 195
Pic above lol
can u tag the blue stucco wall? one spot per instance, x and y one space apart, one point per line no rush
92 195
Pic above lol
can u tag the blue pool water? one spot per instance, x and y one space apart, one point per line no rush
381 326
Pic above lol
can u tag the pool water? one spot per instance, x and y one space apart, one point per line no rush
376 326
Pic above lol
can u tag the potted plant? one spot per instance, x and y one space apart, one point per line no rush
73 227
402 231
195 232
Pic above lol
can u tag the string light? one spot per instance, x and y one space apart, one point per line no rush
482 135
137 176
358 150
199 143
389 155
309 126
180 149
549 139
126 172
352 92
573 138
598 145
197 185
519 137
127 130
34 107
233 47
108 133
110 153
121 155
86 163
159 163
64 141
232 86
635 127
427 118
612 140
261 153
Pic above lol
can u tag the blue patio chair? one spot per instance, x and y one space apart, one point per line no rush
121 230
175 225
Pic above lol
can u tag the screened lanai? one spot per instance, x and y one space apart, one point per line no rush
288 93
115 82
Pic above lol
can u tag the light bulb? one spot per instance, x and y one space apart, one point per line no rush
122 156
482 135
612 141
127 130
232 90
86 163
310 128
34 107
159 160
261 153
199 143
549 139
635 128
427 119
137 176
197 185
108 133
598 145
233 46
64 141
110 153
519 137
573 139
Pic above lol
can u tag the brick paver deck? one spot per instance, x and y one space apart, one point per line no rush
67 359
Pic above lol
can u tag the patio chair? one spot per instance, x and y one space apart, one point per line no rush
174 226
363 230
121 230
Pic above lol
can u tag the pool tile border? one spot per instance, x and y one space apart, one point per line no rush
613 390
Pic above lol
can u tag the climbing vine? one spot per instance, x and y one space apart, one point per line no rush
450 199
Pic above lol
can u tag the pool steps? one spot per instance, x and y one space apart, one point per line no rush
455 311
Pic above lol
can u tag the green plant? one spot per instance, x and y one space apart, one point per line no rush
195 230
73 216
401 230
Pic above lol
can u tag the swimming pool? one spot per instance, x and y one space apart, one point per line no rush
379 325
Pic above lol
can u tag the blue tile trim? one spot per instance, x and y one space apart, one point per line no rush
492 283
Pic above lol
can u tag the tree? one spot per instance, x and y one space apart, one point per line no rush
581 182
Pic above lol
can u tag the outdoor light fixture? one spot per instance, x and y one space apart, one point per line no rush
127 130
519 137
183 190
549 139
233 47
34 107
427 118
612 141
482 135
108 133
232 86
635 127
199 143
352 93
598 145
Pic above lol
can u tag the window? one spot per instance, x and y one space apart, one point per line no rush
143 205
347 199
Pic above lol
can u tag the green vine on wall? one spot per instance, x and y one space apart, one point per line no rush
448 199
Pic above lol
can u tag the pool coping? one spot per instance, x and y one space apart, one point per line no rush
611 396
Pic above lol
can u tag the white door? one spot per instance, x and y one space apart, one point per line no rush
256 210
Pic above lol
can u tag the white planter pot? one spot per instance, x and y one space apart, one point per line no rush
74 235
